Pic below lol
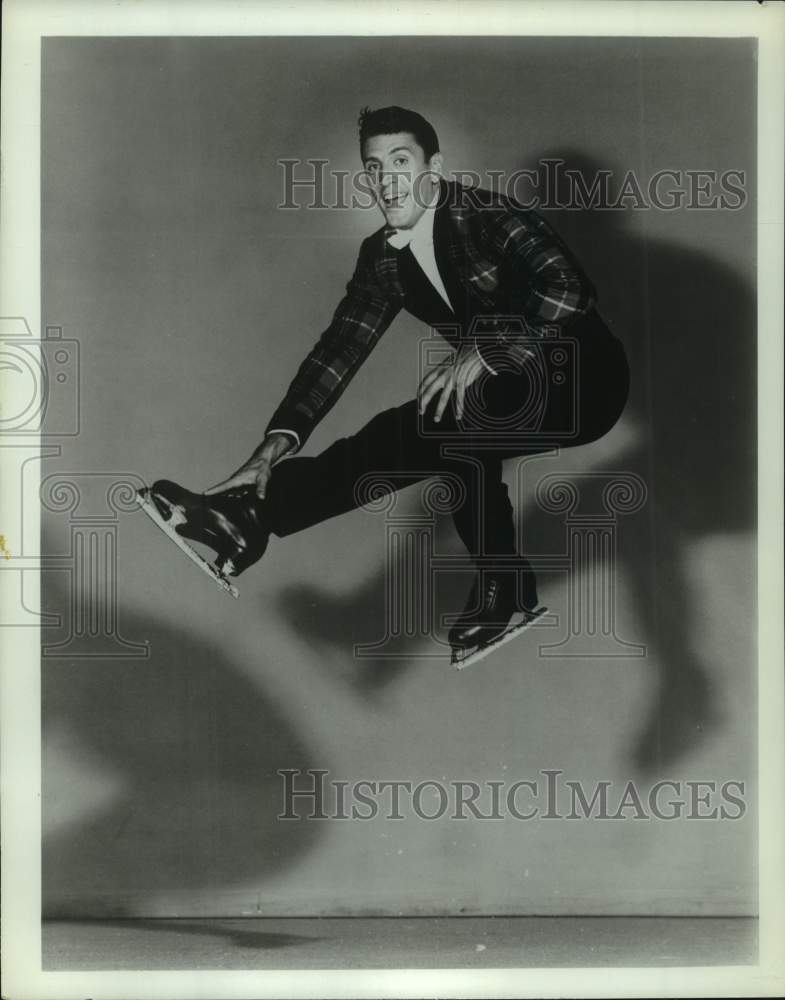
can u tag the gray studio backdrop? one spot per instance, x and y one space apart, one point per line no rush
193 299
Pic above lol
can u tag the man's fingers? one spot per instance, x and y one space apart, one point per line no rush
460 392
428 380
262 478
247 476
436 375
434 387
227 484
453 374
443 401
427 390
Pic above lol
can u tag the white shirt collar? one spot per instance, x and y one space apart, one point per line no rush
421 232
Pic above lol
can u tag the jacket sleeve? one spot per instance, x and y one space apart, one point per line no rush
542 282
362 316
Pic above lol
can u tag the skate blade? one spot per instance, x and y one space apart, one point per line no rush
176 517
462 658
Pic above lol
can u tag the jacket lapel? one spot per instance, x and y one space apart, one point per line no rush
473 276
448 250
470 279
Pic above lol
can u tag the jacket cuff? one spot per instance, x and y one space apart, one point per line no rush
286 430
290 421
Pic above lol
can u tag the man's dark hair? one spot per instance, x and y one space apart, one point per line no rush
388 121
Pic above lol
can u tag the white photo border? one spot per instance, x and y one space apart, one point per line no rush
25 23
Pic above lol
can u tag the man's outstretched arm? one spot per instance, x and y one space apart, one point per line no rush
362 316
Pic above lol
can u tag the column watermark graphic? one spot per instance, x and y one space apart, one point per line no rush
41 379
586 628
589 558
411 565
93 503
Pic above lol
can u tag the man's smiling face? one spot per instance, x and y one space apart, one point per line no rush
403 181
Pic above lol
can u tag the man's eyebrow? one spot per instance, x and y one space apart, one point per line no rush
397 149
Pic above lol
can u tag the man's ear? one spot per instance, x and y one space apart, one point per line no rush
436 164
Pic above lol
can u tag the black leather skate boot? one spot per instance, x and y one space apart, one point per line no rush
493 600
231 523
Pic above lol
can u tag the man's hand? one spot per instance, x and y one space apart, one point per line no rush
256 471
455 374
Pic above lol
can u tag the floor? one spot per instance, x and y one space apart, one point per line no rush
399 942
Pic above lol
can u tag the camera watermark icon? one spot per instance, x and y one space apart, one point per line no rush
546 365
40 379
40 389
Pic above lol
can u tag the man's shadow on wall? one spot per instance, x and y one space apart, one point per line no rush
178 755
688 323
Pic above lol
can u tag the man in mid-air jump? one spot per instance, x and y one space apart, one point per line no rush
533 367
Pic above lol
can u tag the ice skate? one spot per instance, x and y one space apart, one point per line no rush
496 612
230 523
465 656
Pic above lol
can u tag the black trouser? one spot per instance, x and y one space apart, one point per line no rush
567 399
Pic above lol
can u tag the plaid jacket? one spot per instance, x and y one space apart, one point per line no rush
508 261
